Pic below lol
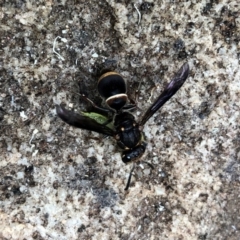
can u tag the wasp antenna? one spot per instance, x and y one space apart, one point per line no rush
129 178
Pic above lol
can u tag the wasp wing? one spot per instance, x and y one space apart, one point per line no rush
83 121
167 93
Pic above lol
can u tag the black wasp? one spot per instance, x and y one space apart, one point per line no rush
120 123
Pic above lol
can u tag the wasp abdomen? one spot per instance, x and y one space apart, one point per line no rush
112 87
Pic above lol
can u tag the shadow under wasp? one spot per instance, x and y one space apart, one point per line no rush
120 123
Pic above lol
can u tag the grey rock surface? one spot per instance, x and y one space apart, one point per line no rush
59 182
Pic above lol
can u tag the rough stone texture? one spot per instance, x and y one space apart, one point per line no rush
58 182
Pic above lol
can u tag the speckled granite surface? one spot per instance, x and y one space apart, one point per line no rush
57 182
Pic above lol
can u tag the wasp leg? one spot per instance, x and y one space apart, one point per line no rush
100 109
149 164
129 107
